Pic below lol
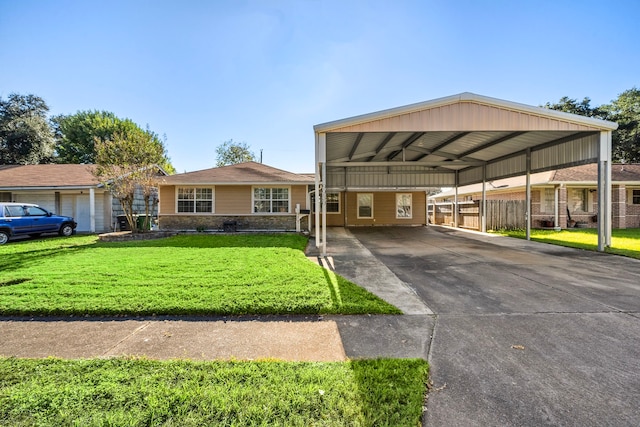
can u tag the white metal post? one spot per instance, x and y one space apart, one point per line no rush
604 191
316 195
528 196
483 218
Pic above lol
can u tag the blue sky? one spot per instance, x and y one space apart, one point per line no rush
264 72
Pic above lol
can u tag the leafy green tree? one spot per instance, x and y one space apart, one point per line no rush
78 134
128 162
232 153
625 110
582 108
25 134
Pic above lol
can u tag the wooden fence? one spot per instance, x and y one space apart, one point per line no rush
501 214
505 214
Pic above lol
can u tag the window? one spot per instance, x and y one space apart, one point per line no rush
403 205
14 211
270 200
365 205
548 204
35 211
333 203
195 200
635 197
579 200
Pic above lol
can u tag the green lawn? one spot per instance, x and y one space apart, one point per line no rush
623 241
139 392
186 274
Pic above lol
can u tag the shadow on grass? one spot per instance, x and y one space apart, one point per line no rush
350 298
397 385
14 261
254 240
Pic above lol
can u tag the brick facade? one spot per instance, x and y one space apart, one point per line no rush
244 222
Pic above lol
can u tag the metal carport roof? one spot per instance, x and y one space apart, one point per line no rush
456 140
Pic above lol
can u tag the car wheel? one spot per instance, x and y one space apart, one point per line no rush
66 230
4 237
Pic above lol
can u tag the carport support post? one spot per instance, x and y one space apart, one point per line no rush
527 214
455 207
483 217
604 191
321 172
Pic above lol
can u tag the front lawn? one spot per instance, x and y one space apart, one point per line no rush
623 241
138 392
187 274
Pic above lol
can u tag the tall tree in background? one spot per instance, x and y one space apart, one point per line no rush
25 134
128 162
78 134
582 108
231 153
625 110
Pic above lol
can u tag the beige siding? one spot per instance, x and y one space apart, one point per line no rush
299 195
233 199
230 199
464 116
167 200
384 209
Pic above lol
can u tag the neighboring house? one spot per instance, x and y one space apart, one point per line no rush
559 198
65 189
245 196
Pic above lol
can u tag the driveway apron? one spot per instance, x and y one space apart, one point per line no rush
524 333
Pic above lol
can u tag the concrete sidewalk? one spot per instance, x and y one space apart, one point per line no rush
201 339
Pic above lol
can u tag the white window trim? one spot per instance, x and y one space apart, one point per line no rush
398 195
339 203
358 206
193 187
253 187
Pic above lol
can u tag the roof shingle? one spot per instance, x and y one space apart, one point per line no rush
47 175
241 173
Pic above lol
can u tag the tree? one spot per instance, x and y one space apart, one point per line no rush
128 162
78 134
232 153
625 110
25 134
582 108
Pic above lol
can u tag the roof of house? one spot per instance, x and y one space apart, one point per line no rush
47 176
589 173
241 173
584 174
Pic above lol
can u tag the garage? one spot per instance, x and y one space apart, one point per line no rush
376 168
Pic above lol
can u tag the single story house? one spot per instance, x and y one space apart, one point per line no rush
244 196
559 198
65 189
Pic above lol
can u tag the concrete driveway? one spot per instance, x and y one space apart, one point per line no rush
523 333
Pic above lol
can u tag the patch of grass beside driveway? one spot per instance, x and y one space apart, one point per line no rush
623 241
139 392
182 275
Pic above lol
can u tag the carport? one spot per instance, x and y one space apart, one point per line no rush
454 141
